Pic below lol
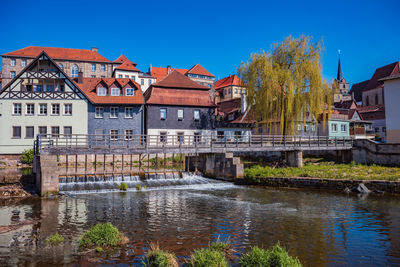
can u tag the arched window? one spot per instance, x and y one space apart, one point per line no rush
61 66
75 71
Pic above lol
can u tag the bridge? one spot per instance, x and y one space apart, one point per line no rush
210 154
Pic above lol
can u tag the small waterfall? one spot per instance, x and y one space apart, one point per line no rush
89 184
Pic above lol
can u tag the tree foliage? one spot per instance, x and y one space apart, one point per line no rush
286 84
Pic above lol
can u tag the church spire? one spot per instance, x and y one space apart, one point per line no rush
339 71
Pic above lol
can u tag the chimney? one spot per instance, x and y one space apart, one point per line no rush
80 77
243 103
95 49
150 69
168 69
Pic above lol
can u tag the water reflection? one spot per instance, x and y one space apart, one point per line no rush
320 228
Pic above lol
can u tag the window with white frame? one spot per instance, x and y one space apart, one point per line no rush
101 91
114 112
55 131
299 127
30 109
16 132
115 91
197 137
93 67
13 62
130 91
23 62
49 88
68 109
98 112
68 131
55 109
343 128
61 66
180 114
334 127
42 109
196 115
43 130
149 82
74 71
29 132
142 81
17 109
133 78
163 113
128 134
114 134
127 76
163 137
128 112
12 74
181 137
103 67
119 75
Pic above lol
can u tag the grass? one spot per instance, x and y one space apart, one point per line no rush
276 256
207 257
101 235
324 169
54 239
155 257
123 186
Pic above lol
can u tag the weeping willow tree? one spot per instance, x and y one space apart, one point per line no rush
286 85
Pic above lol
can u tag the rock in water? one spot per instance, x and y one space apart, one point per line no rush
347 190
361 189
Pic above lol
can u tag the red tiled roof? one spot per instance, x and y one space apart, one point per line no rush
375 112
127 65
89 85
382 72
227 81
229 106
122 58
199 69
59 53
160 73
178 90
350 104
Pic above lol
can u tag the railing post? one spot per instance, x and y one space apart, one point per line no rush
335 141
309 140
273 140
261 140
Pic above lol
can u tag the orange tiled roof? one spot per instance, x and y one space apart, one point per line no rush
177 80
375 112
59 53
160 73
89 85
122 58
227 81
127 65
199 69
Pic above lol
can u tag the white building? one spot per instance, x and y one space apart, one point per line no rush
392 100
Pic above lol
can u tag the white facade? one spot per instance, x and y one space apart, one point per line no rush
392 110
134 75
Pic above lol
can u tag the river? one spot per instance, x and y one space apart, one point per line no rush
320 228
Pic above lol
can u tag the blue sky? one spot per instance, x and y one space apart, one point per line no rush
217 34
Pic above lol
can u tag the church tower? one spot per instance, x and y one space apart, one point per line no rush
342 91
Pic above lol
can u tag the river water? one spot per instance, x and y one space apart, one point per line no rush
320 228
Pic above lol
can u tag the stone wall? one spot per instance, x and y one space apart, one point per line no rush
369 152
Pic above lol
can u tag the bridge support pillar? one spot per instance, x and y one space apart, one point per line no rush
46 169
294 158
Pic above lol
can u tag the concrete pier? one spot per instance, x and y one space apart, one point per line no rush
294 158
46 169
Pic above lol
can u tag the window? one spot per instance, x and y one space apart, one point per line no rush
23 62
30 109
343 128
16 132
114 135
93 76
115 91
142 81
220 134
49 88
128 134
197 137
334 127
114 112
68 131
181 138
98 132
238 135
42 109
67 109
119 75
43 130
13 62
133 78
55 109
17 109
163 137
74 71
12 74
127 76
101 91
149 82
299 127
130 91
103 67
197 115
93 67
384 129
163 113
55 131
128 112
98 112
38 88
235 90
29 132
180 114
306 127
376 129
61 66
376 99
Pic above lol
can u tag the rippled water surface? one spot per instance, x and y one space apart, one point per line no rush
320 228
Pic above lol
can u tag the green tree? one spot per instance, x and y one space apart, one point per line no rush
286 84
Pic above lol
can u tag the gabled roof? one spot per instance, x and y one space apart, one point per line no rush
375 112
178 90
385 71
127 65
357 90
228 81
59 53
199 69
349 104
89 85
159 73
229 106
122 58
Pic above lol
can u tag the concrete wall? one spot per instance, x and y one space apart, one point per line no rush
372 97
392 100
369 152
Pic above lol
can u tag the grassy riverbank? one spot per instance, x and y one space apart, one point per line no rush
324 169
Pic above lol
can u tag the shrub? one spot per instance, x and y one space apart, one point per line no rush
99 249
138 187
156 257
54 239
225 248
207 257
123 186
27 156
101 235
276 257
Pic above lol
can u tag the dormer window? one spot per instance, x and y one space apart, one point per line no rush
115 91
101 91
130 91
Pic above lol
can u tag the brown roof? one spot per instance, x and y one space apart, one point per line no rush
89 86
350 104
59 53
199 69
375 112
357 90
391 77
382 72
227 81
160 73
128 65
178 90
229 106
